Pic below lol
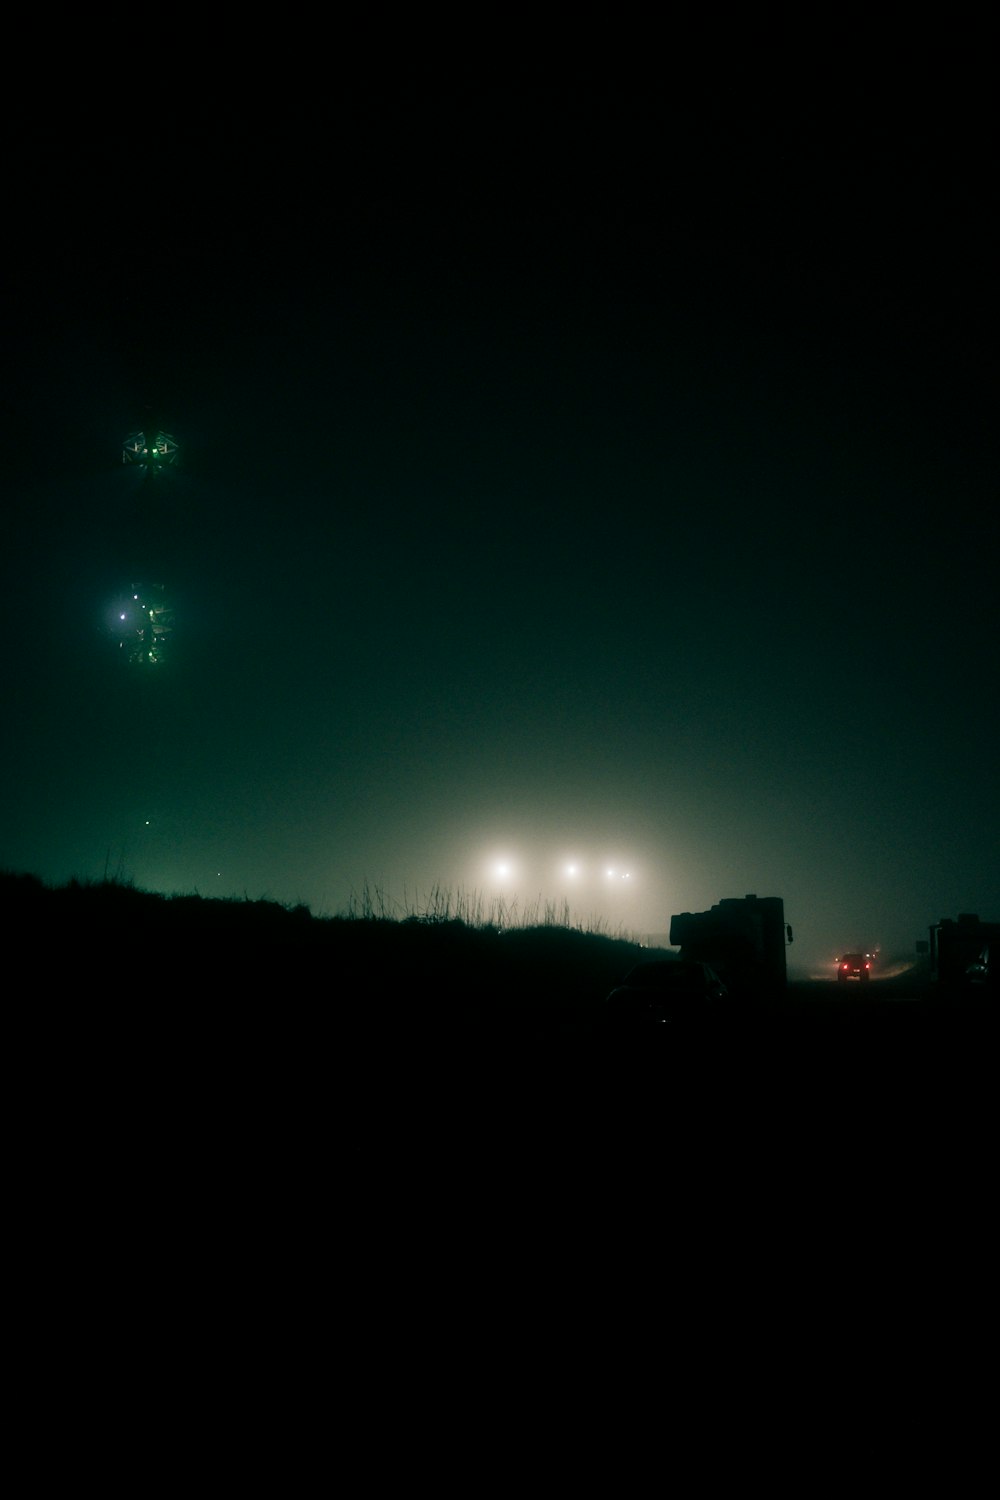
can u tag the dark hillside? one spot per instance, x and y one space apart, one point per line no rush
191 949
226 1037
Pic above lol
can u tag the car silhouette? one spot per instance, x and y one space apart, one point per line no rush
660 992
854 966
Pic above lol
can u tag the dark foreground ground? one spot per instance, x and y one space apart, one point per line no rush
252 1163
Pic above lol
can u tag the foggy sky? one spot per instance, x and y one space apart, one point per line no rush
540 501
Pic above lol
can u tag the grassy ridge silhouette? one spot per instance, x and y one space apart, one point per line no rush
453 956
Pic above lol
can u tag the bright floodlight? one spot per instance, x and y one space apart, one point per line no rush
504 869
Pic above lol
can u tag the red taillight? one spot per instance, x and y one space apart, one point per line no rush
867 966
845 967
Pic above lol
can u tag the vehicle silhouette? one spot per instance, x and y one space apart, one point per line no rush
660 992
854 966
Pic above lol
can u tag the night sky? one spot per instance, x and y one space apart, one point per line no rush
559 485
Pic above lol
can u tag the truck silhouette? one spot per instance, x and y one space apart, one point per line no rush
963 954
743 939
